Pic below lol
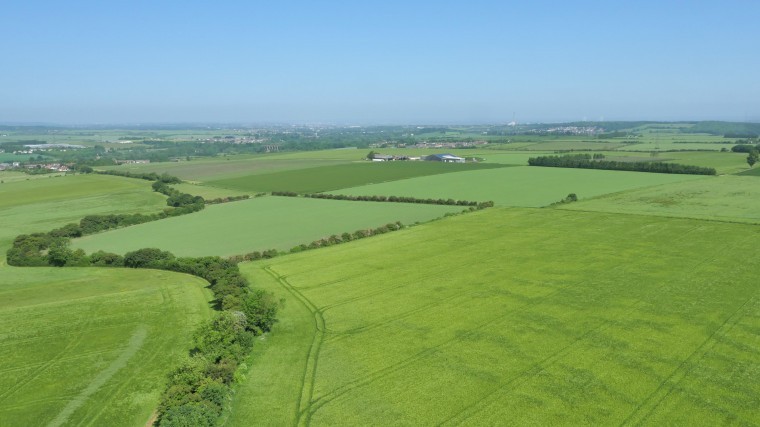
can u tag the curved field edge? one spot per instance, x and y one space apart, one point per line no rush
325 178
502 317
258 224
723 198
92 346
523 186
39 205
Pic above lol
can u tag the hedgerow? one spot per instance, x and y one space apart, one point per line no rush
585 161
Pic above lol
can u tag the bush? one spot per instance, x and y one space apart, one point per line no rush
147 258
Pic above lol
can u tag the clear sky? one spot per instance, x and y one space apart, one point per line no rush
369 62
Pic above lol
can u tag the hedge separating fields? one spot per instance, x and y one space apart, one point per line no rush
388 199
585 161
197 391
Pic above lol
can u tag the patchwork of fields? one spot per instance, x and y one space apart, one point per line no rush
517 186
724 198
334 177
498 316
638 304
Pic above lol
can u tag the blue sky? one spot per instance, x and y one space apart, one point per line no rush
369 62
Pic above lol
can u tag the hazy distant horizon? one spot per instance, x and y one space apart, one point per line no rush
275 123
387 62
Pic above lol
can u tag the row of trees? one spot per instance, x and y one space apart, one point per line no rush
227 199
389 199
148 176
745 148
199 387
582 161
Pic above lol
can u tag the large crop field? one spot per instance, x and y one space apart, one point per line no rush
45 203
227 167
724 198
258 224
637 304
86 346
518 186
91 346
515 316
341 176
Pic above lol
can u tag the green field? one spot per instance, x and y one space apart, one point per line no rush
91 346
638 304
724 198
518 186
226 167
258 224
751 172
86 346
341 176
46 203
208 192
518 316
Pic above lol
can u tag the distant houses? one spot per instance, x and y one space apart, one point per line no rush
131 162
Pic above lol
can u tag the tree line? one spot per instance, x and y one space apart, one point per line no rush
584 161
197 390
388 199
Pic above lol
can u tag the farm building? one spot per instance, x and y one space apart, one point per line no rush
446 158
387 158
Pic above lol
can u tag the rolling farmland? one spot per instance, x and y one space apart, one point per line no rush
637 304
259 224
88 345
342 176
724 198
500 318
517 186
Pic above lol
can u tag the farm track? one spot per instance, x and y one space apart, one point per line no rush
303 416
134 344
155 351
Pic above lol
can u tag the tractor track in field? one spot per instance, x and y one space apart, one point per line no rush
646 408
308 378
472 409
374 376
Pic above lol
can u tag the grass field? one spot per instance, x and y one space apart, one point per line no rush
227 167
91 346
86 346
724 198
518 186
524 316
208 192
751 172
46 203
258 224
724 163
341 176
